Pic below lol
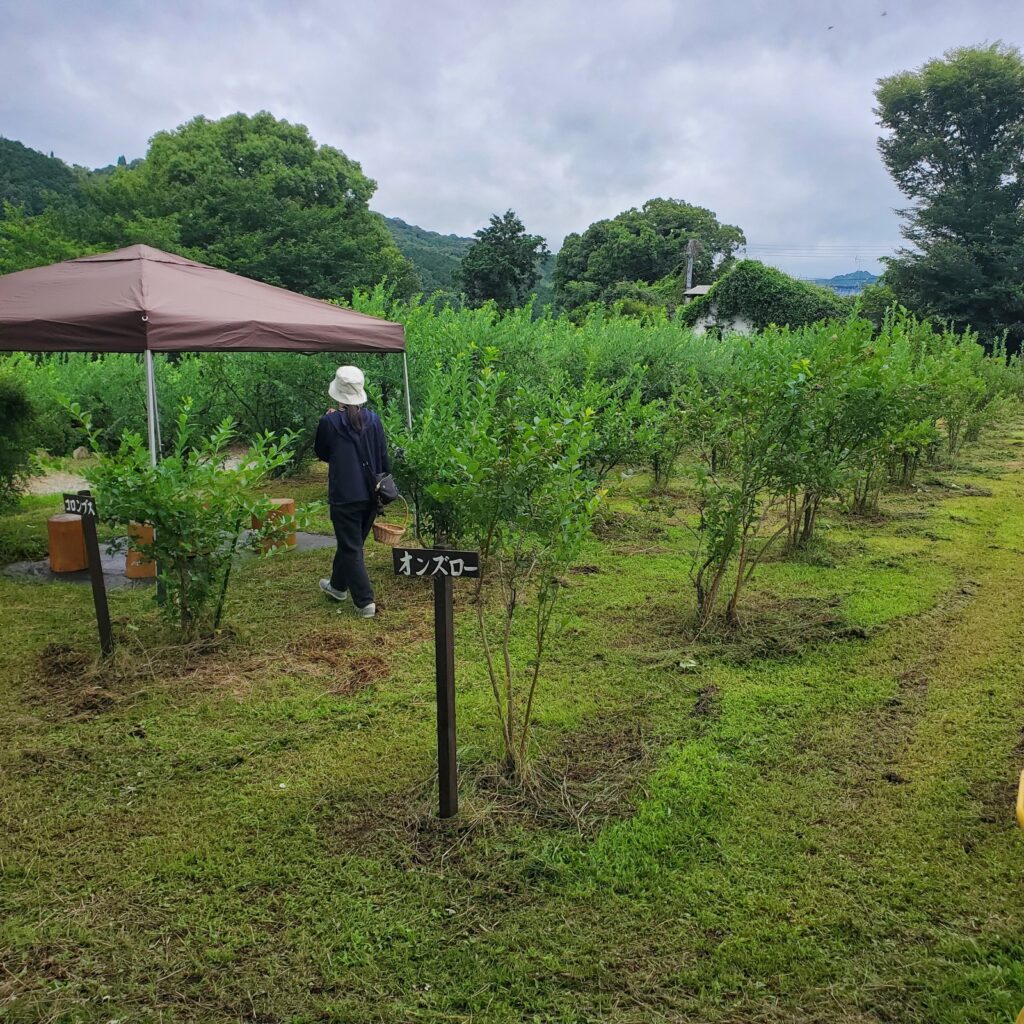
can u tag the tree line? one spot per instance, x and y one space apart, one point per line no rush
258 196
254 195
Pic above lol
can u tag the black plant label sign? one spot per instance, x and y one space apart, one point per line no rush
80 505
430 562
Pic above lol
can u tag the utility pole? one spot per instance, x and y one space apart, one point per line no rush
691 252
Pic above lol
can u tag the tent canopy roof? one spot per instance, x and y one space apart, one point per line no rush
140 298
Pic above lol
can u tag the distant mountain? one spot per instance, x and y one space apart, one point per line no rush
847 284
435 256
26 176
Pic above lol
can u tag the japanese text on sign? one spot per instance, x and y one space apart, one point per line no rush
80 504
427 563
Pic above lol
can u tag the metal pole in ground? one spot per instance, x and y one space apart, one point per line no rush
153 427
408 423
408 399
151 413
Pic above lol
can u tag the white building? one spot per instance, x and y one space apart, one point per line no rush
711 321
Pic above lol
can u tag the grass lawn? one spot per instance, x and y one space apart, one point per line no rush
814 823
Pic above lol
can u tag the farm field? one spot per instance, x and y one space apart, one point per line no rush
808 820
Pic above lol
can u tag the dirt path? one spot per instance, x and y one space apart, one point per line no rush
55 481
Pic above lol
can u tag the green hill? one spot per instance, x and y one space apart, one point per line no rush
434 255
26 175
437 257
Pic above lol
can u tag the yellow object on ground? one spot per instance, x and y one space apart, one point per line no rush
1020 821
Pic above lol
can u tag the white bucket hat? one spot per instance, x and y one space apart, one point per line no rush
347 386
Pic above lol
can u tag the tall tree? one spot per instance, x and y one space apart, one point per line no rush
34 241
643 249
254 195
956 148
502 265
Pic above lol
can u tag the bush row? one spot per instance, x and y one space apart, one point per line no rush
641 379
771 426
519 422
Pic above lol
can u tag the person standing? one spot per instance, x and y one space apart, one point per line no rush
350 439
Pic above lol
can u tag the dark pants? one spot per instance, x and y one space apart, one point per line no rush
352 525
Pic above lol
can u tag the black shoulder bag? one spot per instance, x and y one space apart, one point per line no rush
382 486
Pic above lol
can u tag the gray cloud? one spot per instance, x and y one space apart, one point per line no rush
566 112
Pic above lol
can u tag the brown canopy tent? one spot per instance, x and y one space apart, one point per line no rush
140 299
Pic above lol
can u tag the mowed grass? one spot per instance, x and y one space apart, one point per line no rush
813 823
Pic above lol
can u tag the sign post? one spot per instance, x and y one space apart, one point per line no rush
442 566
444 661
84 504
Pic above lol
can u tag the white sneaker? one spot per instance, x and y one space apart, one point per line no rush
368 611
338 595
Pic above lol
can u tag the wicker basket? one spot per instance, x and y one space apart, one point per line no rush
391 533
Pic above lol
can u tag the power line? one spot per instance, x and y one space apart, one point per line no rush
821 255
824 247
815 251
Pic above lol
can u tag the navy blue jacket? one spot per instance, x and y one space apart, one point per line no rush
337 444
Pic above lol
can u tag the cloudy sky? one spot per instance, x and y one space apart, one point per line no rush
565 111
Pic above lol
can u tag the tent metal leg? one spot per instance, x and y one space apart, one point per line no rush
408 398
156 420
151 410
408 423
153 426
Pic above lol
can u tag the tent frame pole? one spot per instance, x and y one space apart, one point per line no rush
405 388
151 410
408 423
153 427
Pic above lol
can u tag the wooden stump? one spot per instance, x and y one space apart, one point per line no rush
136 565
66 543
279 507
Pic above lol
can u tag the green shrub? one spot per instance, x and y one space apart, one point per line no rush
274 391
271 392
627 430
113 387
23 534
500 464
17 437
753 418
198 506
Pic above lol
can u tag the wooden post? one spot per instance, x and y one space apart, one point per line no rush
83 505
442 565
278 507
66 543
444 660
136 565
